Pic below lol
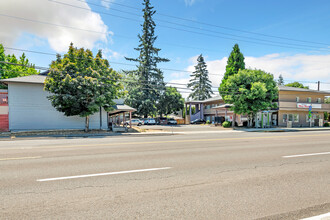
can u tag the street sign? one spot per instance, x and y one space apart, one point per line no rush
310 111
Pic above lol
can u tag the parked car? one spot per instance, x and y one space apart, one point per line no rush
172 121
161 121
136 122
198 121
149 121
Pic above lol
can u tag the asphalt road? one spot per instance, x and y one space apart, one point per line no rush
230 175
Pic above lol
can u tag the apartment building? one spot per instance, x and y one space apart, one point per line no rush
294 104
211 110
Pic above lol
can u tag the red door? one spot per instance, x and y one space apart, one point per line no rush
4 122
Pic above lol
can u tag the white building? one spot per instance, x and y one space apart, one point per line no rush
29 108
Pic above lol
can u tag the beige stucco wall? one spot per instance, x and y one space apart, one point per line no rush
302 118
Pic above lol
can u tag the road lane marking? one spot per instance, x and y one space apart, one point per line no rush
319 217
103 174
19 158
164 142
306 155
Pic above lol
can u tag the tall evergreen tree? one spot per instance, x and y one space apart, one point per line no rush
234 64
280 81
199 83
145 93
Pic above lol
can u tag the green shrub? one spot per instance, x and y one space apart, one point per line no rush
208 122
226 124
326 124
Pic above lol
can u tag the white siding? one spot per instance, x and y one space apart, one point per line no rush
29 109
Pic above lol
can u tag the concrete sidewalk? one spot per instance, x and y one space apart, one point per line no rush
284 129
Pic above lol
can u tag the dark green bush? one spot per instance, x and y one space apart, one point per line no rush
226 124
326 124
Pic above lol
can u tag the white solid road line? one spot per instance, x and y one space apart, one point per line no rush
306 155
19 158
103 174
319 217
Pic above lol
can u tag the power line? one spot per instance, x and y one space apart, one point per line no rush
31 66
133 81
279 44
127 64
173 28
52 24
182 25
219 26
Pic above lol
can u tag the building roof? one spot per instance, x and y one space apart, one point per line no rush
39 79
212 99
223 106
121 108
45 73
295 89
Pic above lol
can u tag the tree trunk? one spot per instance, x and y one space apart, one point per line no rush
234 120
87 124
250 121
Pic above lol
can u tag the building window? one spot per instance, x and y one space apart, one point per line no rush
319 100
307 118
290 117
297 99
296 118
309 99
285 118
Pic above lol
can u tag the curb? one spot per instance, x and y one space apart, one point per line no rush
15 136
287 130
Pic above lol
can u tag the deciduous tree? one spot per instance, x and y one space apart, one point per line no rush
80 83
8 69
297 85
250 91
170 102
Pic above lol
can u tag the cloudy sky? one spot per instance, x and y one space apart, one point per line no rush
281 37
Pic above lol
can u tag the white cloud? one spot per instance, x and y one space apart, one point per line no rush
106 3
189 2
299 67
58 38
110 54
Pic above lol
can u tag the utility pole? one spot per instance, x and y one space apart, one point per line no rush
318 85
310 115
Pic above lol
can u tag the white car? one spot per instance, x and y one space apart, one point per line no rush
149 121
135 122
